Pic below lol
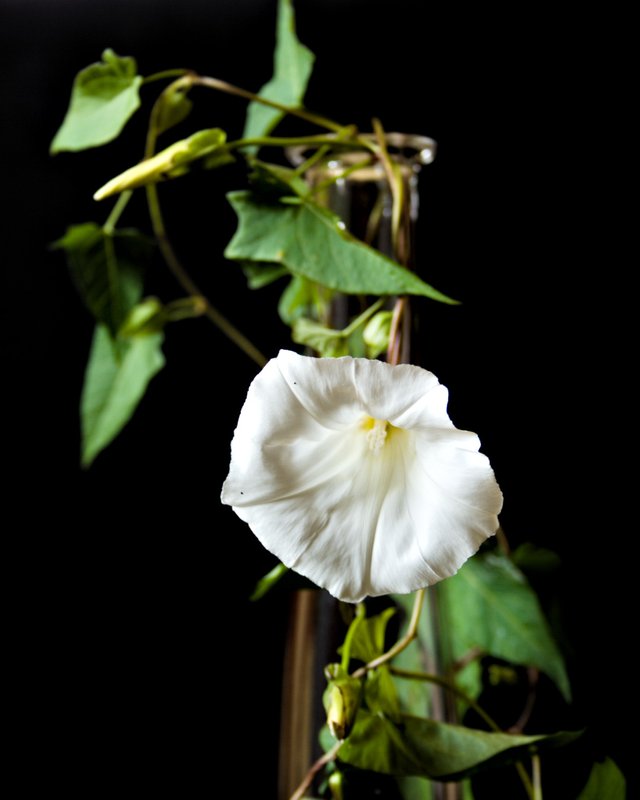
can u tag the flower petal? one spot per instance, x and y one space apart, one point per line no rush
354 517
334 390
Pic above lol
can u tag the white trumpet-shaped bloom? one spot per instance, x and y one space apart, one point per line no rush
350 471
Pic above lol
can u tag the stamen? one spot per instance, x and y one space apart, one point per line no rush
377 434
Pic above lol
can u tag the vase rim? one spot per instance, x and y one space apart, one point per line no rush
413 149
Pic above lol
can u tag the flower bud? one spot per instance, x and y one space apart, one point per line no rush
376 333
341 701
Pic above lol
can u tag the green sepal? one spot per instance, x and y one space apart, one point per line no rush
175 107
145 317
103 98
218 159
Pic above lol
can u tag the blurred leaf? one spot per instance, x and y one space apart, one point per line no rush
436 750
368 638
106 269
116 379
277 181
380 693
414 788
268 581
218 158
531 558
259 275
171 162
326 739
103 98
292 67
310 241
489 604
297 300
327 342
606 782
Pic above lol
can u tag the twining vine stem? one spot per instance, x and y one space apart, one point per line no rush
187 283
340 135
456 690
223 86
186 81
537 777
401 644
313 771
174 264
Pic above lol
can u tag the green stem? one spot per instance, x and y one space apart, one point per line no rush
180 274
268 581
120 205
184 279
451 687
360 320
185 308
394 178
308 778
167 73
346 645
113 276
537 777
319 187
395 335
320 140
401 644
320 153
223 86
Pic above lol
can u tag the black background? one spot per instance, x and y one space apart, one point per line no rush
135 647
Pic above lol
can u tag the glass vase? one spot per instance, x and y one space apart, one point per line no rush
358 191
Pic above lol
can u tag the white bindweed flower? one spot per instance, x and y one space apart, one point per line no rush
350 471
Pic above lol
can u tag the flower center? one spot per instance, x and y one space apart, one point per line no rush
377 431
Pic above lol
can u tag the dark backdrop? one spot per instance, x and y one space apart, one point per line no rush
135 645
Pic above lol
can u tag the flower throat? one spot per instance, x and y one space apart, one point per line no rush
378 431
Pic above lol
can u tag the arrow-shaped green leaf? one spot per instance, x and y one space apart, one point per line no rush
103 98
489 604
106 269
606 782
292 67
310 241
437 750
116 379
